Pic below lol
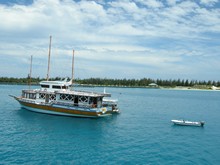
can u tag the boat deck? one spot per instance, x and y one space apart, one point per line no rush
71 92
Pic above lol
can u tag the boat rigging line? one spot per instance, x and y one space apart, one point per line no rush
48 68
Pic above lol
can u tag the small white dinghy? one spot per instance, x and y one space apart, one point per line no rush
188 123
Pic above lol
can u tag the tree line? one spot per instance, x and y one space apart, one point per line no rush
146 81
117 82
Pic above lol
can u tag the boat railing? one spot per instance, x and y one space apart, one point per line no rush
72 104
28 100
29 91
92 92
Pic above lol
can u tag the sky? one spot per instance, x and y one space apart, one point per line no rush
158 39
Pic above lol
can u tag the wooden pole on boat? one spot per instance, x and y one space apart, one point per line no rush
30 72
48 68
73 67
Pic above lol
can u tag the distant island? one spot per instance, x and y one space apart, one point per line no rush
139 83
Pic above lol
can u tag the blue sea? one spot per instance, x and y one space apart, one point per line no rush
141 134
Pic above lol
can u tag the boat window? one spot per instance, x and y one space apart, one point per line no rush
64 87
83 99
32 95
41 95
66 97
91 100
95 100
76 100
99 102
56 87
52 97
62 97
70 97
45 86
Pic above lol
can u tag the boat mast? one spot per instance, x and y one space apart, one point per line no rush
48 68
72 68
29 76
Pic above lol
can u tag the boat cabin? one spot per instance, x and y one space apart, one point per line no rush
58 92
71 98
55 85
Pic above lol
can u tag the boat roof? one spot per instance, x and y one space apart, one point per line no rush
55 83
70 92
110 100
82 93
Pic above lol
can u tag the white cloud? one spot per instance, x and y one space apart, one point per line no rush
151 3
171 2
142 34
208 2
126 6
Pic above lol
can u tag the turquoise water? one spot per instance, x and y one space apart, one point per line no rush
141 134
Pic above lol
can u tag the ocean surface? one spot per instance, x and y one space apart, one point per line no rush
141 134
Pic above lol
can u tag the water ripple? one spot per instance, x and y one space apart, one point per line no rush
141 134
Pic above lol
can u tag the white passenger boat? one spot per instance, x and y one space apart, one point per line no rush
188 123
57 97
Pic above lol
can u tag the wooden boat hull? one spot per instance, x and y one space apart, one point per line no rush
62 110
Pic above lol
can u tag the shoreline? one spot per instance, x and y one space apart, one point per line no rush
189 89
121 86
